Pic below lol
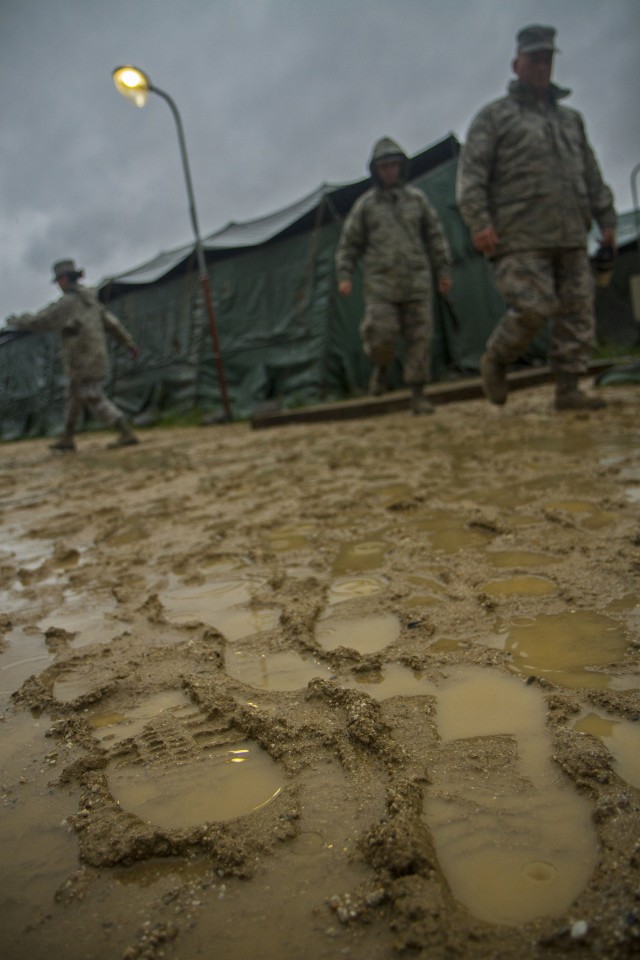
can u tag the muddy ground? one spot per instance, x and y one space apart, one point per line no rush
367 689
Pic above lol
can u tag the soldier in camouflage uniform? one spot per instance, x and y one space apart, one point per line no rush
528 188
81 320
398 235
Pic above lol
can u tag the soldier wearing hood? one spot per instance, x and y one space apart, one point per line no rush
396 232
529 187
82 323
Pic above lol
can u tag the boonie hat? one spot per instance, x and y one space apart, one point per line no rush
64 268
536 37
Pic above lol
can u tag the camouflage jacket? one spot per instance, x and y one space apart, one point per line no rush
81 320
528 170
397 233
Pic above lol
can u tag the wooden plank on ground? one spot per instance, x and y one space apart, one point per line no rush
444 392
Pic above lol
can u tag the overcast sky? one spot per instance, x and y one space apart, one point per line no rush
276 97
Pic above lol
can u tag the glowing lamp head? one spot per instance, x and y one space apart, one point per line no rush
132 83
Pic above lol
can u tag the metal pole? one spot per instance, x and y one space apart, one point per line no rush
634 194
202 264
634 280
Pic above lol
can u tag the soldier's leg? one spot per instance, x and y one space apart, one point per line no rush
417 326
527 285
72 411
379 331
94 398
573 330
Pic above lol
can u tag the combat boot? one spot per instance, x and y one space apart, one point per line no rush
127 437
570 397
419 403
378 381
66 443
494 379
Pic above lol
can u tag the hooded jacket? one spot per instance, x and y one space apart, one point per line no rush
528 170
82 323
397 234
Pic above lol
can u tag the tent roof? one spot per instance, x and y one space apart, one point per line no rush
326 202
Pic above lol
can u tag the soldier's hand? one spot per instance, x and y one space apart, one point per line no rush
486 241
444 285
345 287
134 353
608 239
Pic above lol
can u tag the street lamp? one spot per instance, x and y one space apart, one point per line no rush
136 86
634 280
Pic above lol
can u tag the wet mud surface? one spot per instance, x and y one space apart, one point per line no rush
332 690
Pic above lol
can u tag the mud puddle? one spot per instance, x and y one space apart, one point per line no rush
570 649
437 659
230 781
223 604
514 837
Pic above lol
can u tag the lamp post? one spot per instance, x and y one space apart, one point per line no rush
634 279
135 85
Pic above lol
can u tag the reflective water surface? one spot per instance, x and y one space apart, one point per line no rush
513 836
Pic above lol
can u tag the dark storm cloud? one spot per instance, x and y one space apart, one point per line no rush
276 96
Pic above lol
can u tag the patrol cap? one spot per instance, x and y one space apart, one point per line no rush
65 268
536 37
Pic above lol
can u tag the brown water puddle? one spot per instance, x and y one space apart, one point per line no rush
223 604
13 598
112 728
17 547
363 555
450 533
282 671
25 654
230 781
38 850
285 914
390 493
565 648
290 537
589 513
622 739
133 531
629 606
521 585
515 841
148 873
88 618
393 680
366 634
429 590
350 588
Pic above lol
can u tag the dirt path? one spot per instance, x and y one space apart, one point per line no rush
339 690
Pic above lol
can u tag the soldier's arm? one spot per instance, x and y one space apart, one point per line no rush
436 242
600 195
351 245
474 173
113 326
51 317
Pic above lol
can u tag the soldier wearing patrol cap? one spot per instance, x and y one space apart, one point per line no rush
82 323
529 187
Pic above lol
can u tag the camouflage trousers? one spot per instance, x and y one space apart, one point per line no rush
89 394
381 326
540 286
